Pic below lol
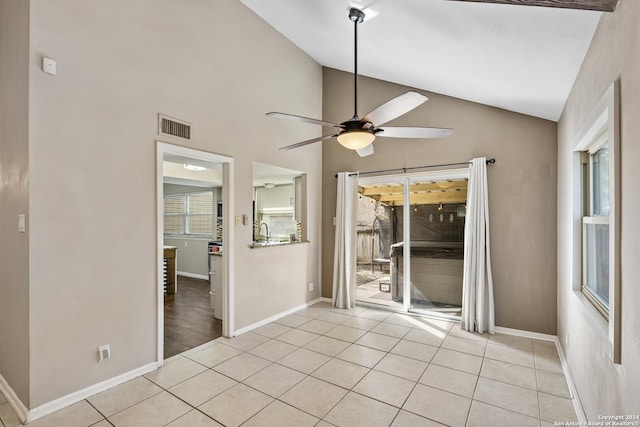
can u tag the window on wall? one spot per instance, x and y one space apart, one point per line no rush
595 224
189 214
596 202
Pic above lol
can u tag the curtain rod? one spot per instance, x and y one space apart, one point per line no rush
404 170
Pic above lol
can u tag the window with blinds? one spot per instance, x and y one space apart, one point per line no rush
189 214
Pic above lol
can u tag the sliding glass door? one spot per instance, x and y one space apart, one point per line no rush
410 241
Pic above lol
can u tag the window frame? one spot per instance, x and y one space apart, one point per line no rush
603 126
602 308
589 217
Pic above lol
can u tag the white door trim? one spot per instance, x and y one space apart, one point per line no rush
163 148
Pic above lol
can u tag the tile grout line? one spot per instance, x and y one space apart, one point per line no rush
332 358
475 388
187 403
390 352
369 369
99 412
272 363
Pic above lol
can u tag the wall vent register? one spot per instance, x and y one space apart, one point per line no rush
173 127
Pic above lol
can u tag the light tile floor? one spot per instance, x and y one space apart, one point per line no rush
323 366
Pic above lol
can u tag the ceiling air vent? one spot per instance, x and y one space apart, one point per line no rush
173 127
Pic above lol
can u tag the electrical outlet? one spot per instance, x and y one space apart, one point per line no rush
104 352
310 286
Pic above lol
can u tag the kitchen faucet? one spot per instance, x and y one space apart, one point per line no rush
267 229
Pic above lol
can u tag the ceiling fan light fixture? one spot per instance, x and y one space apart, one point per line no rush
356 139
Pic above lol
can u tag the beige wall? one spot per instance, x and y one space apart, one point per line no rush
93 168
14 195
604 388
522 186
191 255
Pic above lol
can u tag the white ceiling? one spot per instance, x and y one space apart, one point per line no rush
520 58
263 174
174 172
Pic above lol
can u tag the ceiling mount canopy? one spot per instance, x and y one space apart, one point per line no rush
359 133
597 5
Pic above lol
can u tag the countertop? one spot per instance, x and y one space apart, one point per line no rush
275 244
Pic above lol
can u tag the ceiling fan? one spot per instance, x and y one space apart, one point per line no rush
358 133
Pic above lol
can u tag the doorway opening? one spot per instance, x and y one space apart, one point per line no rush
194 193
421 273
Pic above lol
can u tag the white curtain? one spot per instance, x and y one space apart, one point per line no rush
477 284
344 259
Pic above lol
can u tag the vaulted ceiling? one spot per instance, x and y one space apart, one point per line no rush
519 58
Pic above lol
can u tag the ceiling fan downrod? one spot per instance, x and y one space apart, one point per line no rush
356 16
358 134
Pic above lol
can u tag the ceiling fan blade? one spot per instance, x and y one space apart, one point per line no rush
395 107
307 142
303 119
598 5
366 151
414 132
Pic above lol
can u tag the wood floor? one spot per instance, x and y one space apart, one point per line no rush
188 319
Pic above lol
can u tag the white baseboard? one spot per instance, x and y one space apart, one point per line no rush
526 334
70 399
275 317
325 299
15 402
193 275
575 397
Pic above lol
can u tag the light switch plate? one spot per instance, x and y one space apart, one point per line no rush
22 223
49 66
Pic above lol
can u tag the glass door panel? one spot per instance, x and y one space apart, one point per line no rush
379 278
437 216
